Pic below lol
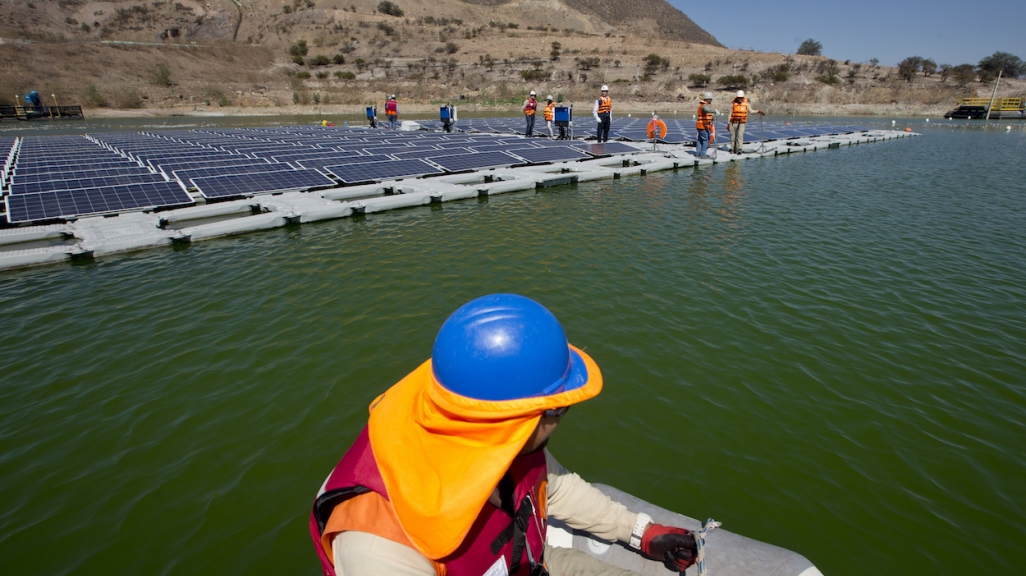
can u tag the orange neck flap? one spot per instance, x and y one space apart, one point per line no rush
441 454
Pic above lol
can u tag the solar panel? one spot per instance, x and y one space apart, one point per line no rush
73 203
185 175
549 154
460 162
77 174
606 148
370 171
261 182
80 183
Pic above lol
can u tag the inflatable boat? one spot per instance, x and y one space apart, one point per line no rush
726 554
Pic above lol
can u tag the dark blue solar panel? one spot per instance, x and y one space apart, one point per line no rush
77 174
606 148
185 175
549 154
322 162
80 183
424 153
261 182
72 203
174 166
460 162
371 171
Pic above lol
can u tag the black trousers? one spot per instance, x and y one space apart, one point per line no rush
603 127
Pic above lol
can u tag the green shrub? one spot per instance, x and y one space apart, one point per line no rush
534 75
224 102
778 73
655 62
303 75
322 75
451 47
298 49
345 75
298 60
828 79
700 79
320 60
95 97
733 81
388 30
161 75
390 8
339 59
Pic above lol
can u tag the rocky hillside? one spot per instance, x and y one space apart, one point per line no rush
232 56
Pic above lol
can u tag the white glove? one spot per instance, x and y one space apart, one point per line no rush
597 119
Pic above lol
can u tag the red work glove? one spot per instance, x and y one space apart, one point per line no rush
674 547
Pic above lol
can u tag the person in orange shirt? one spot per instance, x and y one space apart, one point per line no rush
451 476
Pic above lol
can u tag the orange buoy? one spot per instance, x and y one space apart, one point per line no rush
907 129
656 125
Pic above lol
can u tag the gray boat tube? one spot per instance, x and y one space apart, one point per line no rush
726 553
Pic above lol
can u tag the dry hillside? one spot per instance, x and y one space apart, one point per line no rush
187 56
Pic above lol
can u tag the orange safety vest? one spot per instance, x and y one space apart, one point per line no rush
605 105
739 111
704 120
550 111
530 107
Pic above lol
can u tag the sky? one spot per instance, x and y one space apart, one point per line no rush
945 31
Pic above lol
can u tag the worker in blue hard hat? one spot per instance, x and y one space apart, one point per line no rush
452 476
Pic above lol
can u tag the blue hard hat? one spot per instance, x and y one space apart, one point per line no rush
505 347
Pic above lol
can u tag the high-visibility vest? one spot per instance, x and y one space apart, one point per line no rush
705 120
605 105
356 489
392 108
531 107
550 111
739 111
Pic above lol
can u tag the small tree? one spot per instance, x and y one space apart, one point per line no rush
928 66
908 67
390 8
963 74
1010 65
655 62
700 79
810 47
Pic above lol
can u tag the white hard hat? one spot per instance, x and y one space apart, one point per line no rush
605 88
549 97
392 96
707 96
740 93
533 93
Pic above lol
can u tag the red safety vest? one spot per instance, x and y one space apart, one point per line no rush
605 104
530 107
739 111
392 108
510 536
705 120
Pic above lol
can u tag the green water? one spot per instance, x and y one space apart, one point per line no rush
825 351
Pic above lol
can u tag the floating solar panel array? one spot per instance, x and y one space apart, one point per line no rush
72 176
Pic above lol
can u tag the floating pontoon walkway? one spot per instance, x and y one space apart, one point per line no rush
74 197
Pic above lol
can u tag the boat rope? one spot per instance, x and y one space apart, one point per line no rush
707 527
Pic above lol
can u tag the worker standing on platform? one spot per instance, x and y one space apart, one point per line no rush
451 474
739 110
530 110
550 115
703 124
603 112
392 111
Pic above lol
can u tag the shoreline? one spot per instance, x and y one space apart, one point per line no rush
419 110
